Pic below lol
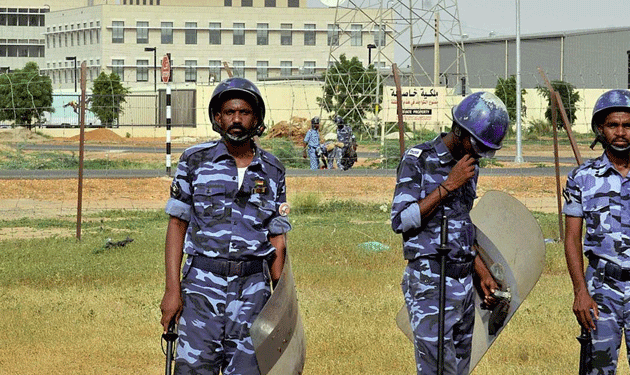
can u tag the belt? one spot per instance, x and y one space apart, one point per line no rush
454 270
227 267
611 270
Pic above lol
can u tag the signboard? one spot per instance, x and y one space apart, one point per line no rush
166 69
424 105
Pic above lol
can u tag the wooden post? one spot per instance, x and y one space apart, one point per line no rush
401 125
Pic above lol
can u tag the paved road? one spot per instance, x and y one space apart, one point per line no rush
151 173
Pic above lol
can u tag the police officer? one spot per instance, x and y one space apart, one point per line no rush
347 139
597 194
311 139
435 178
226 215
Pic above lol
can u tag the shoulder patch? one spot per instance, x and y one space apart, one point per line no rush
414 152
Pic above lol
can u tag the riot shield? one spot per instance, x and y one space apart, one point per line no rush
277 332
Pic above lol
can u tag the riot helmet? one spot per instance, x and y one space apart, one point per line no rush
339 120
240 88
315 122
485 117
610 101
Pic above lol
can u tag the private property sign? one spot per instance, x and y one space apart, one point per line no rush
166 69
424 105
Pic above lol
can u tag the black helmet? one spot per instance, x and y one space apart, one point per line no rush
237 88
315 120
339 120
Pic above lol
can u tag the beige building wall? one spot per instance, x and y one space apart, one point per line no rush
102 53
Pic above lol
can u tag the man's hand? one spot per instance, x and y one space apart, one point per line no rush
486 281
171 307
583 305
463 171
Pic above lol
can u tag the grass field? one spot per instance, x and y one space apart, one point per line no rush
73 307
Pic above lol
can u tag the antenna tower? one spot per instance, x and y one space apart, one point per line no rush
391 29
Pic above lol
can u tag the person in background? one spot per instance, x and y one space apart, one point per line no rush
311 141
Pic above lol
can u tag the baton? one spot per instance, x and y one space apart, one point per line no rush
586 348
170 336
443 252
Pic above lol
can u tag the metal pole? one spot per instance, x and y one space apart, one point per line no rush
168 120
81 152
519 146
443 253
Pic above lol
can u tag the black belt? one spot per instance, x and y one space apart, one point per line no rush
227 267
611 270
454 270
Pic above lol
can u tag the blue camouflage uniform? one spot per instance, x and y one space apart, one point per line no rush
421 171
225 224
312 142
344 135
596 192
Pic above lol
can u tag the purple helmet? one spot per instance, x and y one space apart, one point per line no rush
243 89
484 116
608 102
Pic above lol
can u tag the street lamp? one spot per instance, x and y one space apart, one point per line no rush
70 58
154 50
369 47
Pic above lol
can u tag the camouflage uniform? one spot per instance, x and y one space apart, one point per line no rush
420 171
344 135
312 142
596 192
225 223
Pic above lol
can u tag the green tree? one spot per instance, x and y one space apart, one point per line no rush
349 90
570 97
506 91
108 94
25 95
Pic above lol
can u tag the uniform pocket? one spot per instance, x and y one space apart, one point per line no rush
599 211
209 201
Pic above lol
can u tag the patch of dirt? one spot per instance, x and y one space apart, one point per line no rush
100 134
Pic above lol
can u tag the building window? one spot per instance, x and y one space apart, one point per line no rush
191 32
142 70
191 71
309 34
333 35
239 69
215 33
285 68
379 36
238 36
270 3
227 3
356 38
286 34
215 71
118 32
246 3
118 68
142 33
294 3
167 32
262 34
262 70
309 67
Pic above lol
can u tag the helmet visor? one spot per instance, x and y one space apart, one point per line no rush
481 150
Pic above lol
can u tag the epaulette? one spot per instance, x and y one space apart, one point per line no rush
271 160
